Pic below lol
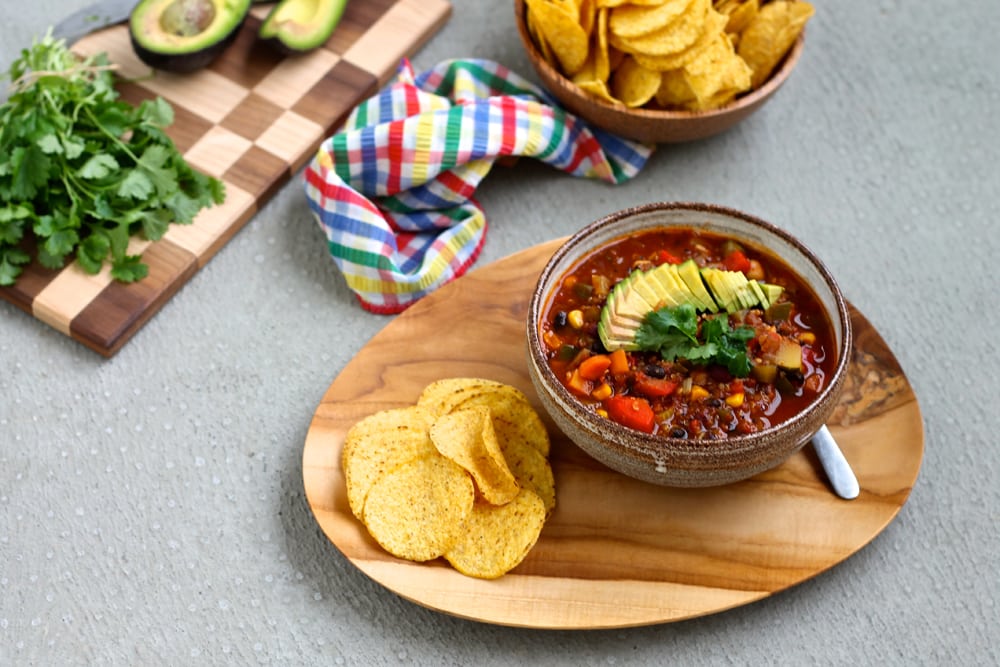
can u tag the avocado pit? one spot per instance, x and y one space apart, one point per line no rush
187 18
184 35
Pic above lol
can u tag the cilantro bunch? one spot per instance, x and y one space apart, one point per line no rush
673 332
82 171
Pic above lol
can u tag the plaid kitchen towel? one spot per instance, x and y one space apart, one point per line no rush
393 190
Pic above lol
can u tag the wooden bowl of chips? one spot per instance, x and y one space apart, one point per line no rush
681 81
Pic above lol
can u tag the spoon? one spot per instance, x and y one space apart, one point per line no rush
837 469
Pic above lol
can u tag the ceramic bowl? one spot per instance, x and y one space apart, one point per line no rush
671 461
650 125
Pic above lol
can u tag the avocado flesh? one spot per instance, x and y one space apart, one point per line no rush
296 26
184 35
690 273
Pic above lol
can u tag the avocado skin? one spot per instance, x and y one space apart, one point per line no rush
291 40
202 52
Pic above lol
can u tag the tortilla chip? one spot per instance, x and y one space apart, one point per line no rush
418 511
559 23
771 34
514 418
467 438
633 20
633 84
531 470
496 539
378 444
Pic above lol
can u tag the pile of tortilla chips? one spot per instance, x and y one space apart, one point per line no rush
671 54
464 474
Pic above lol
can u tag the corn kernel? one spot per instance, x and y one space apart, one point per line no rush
575 318
601 412
735 400
698 393
807 338
602 392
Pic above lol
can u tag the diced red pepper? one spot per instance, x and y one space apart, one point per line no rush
631 411
667 257
737 261
655 387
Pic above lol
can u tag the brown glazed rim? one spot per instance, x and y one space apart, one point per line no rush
777 78
636 440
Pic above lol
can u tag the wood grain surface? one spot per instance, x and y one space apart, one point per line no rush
615 552
252 118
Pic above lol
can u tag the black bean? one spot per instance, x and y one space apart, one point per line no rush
678 432
714 402
655 371
560 320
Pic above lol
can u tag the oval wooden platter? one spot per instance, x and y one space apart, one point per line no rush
616 552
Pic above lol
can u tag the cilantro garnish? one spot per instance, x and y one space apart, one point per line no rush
82 171
673 332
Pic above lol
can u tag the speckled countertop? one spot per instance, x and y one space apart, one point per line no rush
152 507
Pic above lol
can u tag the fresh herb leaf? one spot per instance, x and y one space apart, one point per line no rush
98 166
83 171
674 327
673 332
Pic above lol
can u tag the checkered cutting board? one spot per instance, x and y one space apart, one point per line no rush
252 118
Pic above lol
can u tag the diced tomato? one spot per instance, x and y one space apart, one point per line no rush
737 261
592 368
667 257
655 387
769 341
736 387
631 411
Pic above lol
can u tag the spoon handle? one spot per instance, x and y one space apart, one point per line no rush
838 470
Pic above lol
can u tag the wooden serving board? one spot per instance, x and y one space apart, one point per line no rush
252 118
615 552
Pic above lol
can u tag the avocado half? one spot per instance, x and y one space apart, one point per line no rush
184 35
296 26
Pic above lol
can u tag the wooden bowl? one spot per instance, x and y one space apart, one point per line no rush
652 125
660 459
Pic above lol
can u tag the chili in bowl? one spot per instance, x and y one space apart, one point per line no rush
687 344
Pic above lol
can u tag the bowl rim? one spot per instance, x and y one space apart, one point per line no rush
778 76
638 441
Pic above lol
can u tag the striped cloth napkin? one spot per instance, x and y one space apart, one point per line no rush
393 190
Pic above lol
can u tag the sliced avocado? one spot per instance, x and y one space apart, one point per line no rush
625 303
296 26
759 293
671 286
772 292
719 286
691 274
616 334
184 35
745 295
646 288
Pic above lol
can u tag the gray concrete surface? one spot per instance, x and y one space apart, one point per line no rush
151 505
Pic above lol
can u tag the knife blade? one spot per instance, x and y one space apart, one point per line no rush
92 18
